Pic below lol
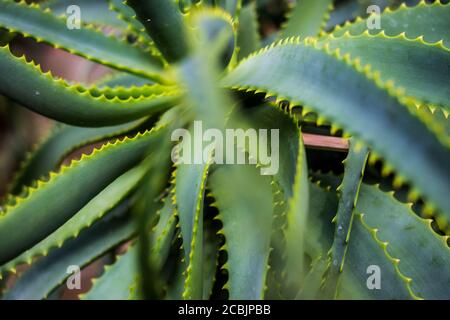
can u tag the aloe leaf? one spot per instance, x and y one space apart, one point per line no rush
45 208
348 197
86 42
417 66
307 18
62 140
291 176
210 258
117 281
48 272
365 250
386 225
164 23
230 6
319 229
427 20
122 79
246 214
318 240
409 239
127 14
248 39
55 99
351 97
94 12
190 192
134 27
94 210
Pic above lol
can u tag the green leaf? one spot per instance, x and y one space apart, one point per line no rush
48 272
366 250
411 240
62 140
122 79
349 96
291 176
31 21
65 103
94 210
248 39
45 208
134 27
93 12
118 279
164 23
427 20
388 234
307 18
210 258
127 14
348 197
190 181
246 214
230 6
420 68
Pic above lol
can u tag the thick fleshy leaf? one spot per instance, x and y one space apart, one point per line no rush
427 20
307 18
190 183
248 38
120 280
93 12
57 100
164 22
48 272
87 42
290 173
246 213
410 240
61 141
420 68
351 97
348 196
94 210
45 208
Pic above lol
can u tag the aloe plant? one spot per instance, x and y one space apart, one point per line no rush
212 230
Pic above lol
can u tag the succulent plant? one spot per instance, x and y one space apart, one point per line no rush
375 226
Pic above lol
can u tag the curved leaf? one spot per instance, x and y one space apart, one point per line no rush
62 140
248 39
86 42
350 96
45 274
427 20
307 18
348 196
94 12
164 22
55 99
411 240
420 68
190 181
246 214
46 208
94 210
